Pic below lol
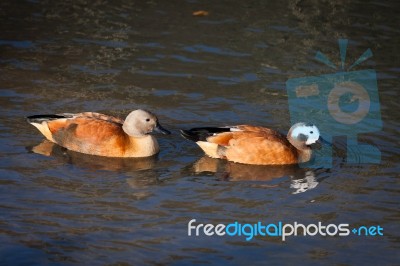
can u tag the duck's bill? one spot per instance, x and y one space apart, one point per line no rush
160 129
316 145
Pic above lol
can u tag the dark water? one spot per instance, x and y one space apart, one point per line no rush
229 67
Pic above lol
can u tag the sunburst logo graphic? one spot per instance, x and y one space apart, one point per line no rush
344 103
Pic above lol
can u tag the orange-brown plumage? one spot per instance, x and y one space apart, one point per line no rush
99 134
90 135
250 145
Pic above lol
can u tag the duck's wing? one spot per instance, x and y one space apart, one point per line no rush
222 135
244 144
261 148
83 132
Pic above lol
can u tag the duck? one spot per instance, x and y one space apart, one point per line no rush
103 135
257 145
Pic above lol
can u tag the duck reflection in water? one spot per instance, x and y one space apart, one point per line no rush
302 179
139 176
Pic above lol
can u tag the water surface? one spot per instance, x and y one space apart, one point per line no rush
229 67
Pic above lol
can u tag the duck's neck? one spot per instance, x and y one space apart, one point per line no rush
304 152
143 146
304 155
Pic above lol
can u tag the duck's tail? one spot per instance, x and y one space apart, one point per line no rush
41 123
38 119
200 135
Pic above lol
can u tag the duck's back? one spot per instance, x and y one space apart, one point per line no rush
256 145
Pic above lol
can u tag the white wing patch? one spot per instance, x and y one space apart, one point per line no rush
234 129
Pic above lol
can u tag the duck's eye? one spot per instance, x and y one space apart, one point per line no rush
147 119
311 132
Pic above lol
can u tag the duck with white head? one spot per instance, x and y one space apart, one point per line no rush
256 145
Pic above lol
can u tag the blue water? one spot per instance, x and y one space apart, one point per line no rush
230 67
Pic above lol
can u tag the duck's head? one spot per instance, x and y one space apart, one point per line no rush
140 123
303 136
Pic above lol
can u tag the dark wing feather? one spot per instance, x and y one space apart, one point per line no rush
202 133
